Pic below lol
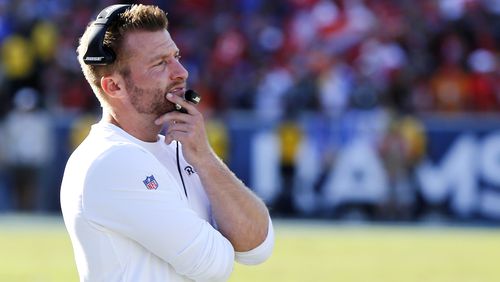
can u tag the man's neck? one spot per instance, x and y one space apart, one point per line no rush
141 129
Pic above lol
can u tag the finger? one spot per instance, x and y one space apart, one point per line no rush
168 139
175 135
172 116
188 106
175 126
174 129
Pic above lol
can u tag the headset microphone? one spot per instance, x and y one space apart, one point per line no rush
190 96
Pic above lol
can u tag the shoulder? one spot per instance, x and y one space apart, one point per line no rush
122 159
123 153
93 151
97 161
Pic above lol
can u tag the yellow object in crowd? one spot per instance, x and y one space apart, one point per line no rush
290 136
413 133
17 57
44 38
218 137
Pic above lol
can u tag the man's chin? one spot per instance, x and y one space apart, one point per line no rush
164 111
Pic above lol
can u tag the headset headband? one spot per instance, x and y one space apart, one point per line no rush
97 53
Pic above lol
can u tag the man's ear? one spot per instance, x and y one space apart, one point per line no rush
112 85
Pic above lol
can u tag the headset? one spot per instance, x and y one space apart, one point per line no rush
97 53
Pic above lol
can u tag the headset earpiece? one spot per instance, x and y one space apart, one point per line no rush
97 53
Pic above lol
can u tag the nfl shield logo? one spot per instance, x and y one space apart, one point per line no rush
150 183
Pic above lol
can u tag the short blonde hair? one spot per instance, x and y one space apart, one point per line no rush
138 17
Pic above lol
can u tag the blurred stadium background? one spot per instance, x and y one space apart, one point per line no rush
343 111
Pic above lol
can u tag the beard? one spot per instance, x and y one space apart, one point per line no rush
148 100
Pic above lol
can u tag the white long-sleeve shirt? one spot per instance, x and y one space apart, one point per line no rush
129 218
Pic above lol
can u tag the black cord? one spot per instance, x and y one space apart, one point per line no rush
179 168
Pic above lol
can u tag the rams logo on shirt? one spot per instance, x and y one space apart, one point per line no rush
189 169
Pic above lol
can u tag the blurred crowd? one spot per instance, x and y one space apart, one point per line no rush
275 59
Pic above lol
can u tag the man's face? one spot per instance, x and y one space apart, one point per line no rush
153 71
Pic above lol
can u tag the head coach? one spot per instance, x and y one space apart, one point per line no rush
132 210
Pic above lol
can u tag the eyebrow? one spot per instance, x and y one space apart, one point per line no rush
161 56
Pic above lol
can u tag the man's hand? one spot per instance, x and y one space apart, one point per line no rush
189 129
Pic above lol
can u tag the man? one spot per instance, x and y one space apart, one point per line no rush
140 206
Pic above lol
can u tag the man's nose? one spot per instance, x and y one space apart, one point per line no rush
179 72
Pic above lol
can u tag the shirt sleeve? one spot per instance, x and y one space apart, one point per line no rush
160 220
261 253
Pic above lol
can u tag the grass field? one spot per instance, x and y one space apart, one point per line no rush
37 249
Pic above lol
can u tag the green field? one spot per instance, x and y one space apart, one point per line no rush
36 248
